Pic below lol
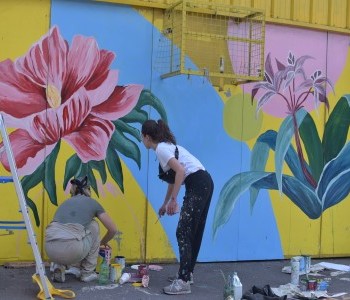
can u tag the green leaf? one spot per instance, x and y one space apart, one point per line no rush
147 98
29 181
91 177
259 156
284 137
291 158
334 184
123 127
336 129
32 206
135 116
100 167
49 177
114 166
72 169
230 194
313 146
126 147
299 193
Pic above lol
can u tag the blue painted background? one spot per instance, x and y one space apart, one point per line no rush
195 115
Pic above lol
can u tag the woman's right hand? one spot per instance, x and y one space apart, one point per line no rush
162 210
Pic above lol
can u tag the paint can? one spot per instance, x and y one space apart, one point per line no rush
307 263
142 270
103 253
100 257
120 260
323 284
312 285
108 254
145 280
295 270
115 272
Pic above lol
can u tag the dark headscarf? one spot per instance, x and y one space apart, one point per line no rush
81 183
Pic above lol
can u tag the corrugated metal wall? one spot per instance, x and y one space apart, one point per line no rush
332 15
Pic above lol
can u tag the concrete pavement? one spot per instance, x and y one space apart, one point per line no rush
16 283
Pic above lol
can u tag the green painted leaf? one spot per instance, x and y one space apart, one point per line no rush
258 160
147 98
91 177
334 184
49 177
284 137
299 193
229 195
135 116
313 146
114 166
291 158
30 181
99 166
126 128
72 169
127 147
336 129
34 209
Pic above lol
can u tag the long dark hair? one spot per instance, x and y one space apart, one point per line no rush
159 131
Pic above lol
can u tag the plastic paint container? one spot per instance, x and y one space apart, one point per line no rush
120 260
115 272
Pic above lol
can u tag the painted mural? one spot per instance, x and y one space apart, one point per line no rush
59 92
74 98
314 186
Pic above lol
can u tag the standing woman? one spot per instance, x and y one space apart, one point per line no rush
177 166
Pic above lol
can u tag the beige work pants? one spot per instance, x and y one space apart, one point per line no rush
80 250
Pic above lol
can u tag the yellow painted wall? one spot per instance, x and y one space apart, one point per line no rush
23 22
333 15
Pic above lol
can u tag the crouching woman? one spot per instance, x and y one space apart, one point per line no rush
72 239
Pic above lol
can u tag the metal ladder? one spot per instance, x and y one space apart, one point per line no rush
40 267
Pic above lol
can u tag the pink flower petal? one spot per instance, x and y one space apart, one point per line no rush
45 63
91 140
120 103
83 58
28 153
18 96
49 126
105 88
102 69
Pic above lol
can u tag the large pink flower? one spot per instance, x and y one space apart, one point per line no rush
57 91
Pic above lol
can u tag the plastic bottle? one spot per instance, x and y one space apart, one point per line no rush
124 278
237 286
228 288
103 277
295 266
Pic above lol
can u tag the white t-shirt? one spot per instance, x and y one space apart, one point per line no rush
166 151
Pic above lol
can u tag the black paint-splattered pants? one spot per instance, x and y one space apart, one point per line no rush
193 216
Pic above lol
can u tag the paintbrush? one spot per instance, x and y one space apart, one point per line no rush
158 220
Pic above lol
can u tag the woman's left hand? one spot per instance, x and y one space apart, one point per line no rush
172 207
